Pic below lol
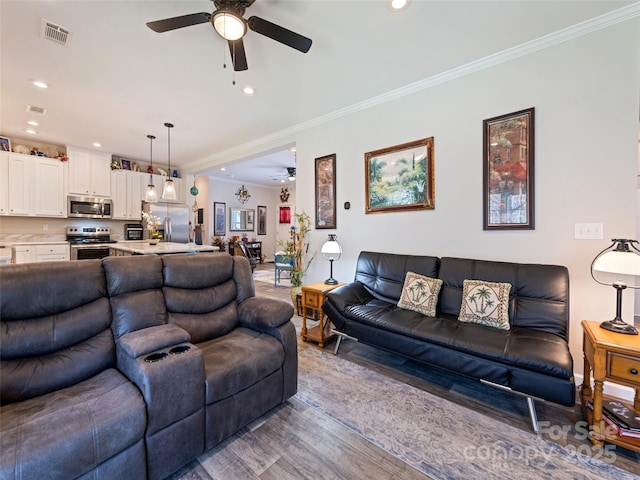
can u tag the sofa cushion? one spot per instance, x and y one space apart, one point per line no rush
54 327
238 360
420 294
89 422
486 303
383 274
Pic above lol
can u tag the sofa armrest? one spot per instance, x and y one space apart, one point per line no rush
264 313
346 295
147 340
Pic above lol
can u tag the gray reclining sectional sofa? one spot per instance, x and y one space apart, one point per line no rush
131 367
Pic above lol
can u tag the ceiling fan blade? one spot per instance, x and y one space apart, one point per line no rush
279 34
173 23
238 56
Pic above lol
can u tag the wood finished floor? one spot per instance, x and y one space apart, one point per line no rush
292 442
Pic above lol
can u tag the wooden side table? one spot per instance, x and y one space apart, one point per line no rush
614 357
312 299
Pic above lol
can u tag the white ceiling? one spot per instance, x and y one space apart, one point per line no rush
117 81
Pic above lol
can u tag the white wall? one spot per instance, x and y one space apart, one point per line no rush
224 191
585 92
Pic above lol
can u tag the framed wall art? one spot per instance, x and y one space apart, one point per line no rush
262 220
5 144
125 164
400 178
508 173
219 221
325 186
284 215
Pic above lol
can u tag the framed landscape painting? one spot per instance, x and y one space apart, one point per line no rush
508 186
325 186
400 178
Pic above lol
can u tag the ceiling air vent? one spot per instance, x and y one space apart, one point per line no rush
53 32
36 110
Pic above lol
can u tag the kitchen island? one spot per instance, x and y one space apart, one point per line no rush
144 248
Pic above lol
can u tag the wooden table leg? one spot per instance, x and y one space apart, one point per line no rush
597 424
586 382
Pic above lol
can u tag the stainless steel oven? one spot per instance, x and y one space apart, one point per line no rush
89 242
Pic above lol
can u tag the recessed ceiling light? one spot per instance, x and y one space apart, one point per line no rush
96 144
31 131
222 168
40 84
248 90
293 149
397 5
33 123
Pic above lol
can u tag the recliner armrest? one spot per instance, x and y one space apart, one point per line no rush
147 340
264 313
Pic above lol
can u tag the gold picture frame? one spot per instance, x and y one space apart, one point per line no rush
401 177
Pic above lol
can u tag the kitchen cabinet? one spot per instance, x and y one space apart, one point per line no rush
89 172
127 193
50 192
24 254
29 253
32 186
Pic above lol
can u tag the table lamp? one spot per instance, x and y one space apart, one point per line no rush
621 258
331 250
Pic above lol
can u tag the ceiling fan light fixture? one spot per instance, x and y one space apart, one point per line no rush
229 25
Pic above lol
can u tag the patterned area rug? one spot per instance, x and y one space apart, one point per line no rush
439 438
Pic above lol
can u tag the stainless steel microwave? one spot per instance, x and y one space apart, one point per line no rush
89 207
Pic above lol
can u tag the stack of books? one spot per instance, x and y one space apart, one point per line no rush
624 419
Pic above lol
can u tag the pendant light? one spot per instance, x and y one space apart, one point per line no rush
151 196
169 190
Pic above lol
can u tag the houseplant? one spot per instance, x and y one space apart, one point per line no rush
298 248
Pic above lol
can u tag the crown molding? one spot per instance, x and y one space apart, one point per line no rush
606 20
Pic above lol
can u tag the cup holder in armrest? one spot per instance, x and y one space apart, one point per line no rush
155 357
179 349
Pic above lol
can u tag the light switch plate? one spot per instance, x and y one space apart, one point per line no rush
588 231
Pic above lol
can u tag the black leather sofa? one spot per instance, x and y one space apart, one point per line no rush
531 358
130 367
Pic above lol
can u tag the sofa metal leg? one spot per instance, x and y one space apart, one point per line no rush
532 414
340 336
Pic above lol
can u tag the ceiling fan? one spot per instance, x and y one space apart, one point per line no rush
228 21
290 175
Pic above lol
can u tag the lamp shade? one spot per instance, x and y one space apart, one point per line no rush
331 248
229 25
620 262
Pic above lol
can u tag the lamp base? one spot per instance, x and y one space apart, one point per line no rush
619 326
331 281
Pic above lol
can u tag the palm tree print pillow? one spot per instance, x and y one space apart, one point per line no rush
420 294
486 303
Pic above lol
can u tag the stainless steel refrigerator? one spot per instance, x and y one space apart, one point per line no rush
174 221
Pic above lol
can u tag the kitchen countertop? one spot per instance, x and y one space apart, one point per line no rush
143 248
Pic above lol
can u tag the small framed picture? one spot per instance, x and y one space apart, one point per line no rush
219 222
262 220
125 164
5 144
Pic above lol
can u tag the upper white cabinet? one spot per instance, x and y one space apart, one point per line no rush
89 172
49 196
32 186
127 194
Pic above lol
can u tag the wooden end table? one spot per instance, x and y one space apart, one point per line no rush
614 357
312 299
